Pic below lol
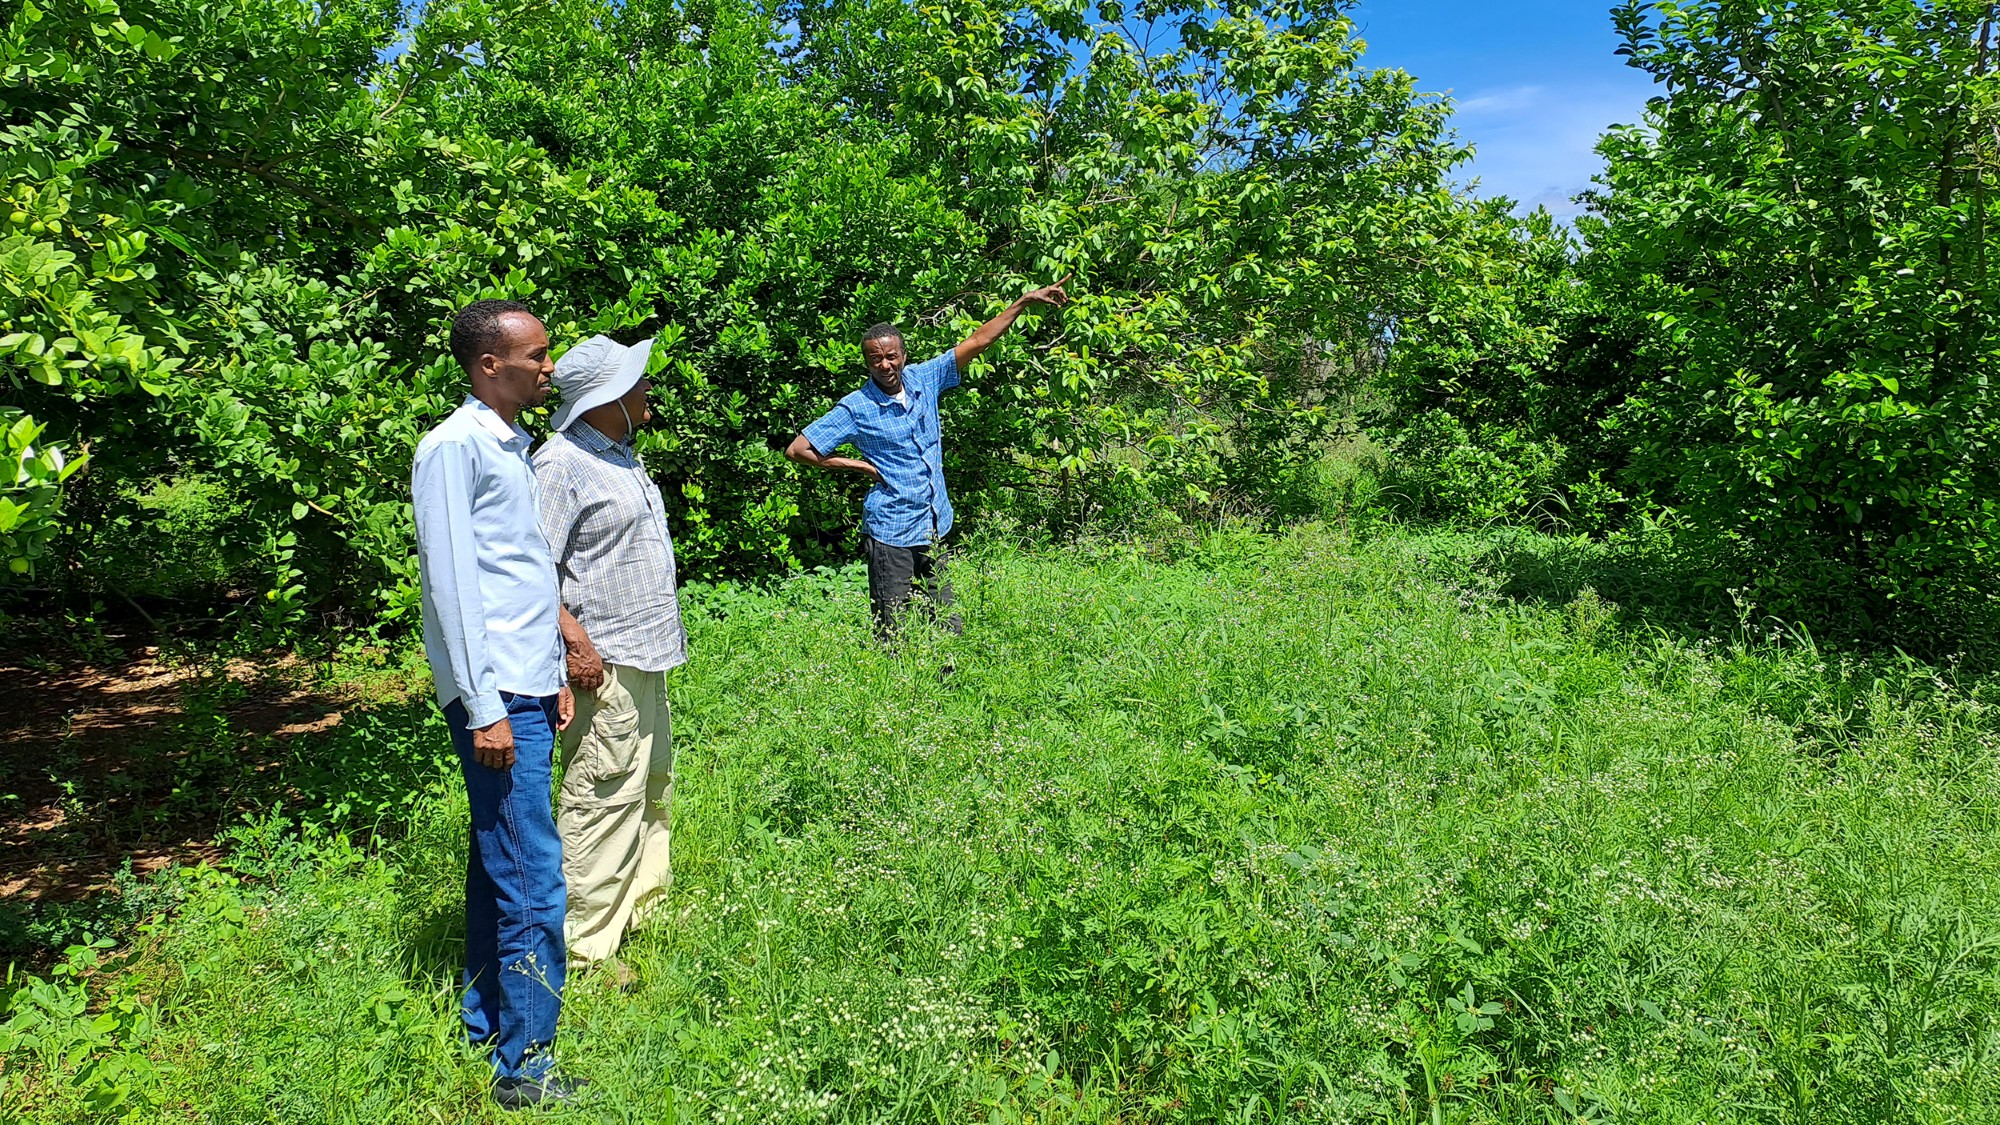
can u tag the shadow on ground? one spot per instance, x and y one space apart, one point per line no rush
118 770
1649 587
1692 593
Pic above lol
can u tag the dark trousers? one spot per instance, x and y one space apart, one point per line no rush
895 574
514 892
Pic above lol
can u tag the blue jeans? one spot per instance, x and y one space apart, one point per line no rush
514 893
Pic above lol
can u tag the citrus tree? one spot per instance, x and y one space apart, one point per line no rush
1802 229
240 228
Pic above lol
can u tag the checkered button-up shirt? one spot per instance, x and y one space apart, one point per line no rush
910 507
607 526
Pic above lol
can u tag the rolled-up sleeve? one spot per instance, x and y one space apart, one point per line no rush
448 566
834 429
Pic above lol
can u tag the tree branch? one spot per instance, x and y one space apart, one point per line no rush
259 171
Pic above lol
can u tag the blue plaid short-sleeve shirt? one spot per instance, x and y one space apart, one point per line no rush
910 507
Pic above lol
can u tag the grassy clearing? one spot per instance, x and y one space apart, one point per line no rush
1278 830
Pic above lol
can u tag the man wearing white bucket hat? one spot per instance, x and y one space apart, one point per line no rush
621 626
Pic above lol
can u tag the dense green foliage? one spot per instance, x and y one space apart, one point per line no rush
237 231
1804 236
238 237
1781 330
1498 396
1300 830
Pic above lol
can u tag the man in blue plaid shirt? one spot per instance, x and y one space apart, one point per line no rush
893 421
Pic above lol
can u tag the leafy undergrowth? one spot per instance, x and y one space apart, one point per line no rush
1305 829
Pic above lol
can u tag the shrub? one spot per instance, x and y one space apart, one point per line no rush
1801 233
245 228
178 538
1439 469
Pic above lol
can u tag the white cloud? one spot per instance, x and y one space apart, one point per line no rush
1537 144
1512 99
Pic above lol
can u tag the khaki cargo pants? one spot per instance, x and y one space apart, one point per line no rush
616 812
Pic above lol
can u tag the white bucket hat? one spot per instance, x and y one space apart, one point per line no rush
595 372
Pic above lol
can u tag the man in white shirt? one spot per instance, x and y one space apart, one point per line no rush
492 635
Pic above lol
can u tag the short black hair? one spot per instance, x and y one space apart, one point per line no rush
882 331
476 329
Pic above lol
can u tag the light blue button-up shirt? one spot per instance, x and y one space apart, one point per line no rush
489 582
909 508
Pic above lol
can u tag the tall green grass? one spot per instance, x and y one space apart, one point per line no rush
1299 829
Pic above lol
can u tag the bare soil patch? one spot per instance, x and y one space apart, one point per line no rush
90 757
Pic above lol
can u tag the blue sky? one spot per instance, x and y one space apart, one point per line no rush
1535 81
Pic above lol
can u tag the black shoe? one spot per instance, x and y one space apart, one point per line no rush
546 1092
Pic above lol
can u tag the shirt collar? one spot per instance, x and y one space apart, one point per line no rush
881 397
591 440
490 421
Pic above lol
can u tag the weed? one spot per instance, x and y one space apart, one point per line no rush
1249 829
